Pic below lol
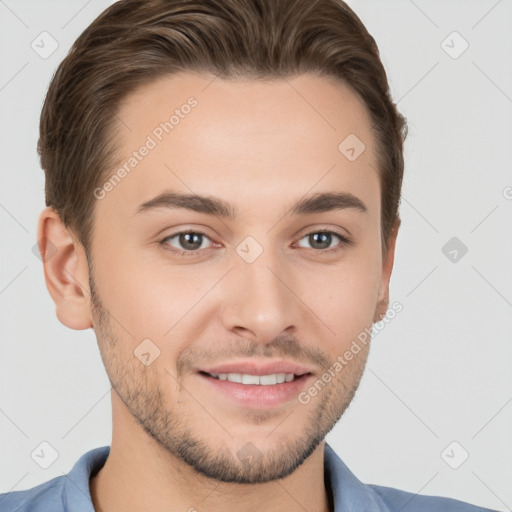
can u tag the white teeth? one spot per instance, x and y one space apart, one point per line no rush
262 380
269 380
249 379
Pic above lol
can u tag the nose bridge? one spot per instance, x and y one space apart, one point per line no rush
261 300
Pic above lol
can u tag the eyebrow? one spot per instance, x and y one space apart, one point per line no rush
317 203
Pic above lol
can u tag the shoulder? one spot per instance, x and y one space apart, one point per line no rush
43 497
63 493
350 493
397 500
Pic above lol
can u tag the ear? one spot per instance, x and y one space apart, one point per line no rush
65 270
387 267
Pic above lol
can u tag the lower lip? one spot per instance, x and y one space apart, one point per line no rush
256 395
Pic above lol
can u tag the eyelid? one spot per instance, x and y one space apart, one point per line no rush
345 241
175 250
309 230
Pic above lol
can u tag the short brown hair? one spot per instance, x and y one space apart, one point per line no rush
134 42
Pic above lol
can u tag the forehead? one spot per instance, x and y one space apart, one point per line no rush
201 134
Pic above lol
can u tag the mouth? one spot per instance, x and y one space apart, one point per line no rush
256 380
250 391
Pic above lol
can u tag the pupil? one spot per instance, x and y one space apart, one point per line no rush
325 239
185 239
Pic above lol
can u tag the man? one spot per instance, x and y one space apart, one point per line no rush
222 190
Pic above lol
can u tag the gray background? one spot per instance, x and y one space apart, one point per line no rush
438 373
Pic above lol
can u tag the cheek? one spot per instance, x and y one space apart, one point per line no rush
345 302
345 296
147 296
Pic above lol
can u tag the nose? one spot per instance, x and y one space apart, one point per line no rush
260 298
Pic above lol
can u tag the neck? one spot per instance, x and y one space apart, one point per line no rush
140 475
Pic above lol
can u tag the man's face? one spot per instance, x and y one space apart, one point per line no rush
268 285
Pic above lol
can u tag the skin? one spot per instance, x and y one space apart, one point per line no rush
260 146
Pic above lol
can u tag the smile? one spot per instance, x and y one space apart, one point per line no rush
261 380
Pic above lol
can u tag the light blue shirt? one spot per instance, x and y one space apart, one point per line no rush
70 493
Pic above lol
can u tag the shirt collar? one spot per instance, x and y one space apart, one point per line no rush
349 494
77 495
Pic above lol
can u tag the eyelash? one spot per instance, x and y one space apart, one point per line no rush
344 241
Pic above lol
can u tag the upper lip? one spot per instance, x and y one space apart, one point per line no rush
254 368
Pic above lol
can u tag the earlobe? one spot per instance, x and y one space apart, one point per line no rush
65 269
387 267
